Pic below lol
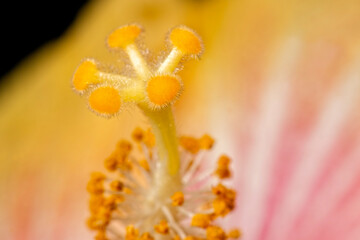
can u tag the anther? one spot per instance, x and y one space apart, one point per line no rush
124 146
138 134
177 199
149 139
234 234
144 164
111 163
215 233
176 237
206 142
101 235
132 233
223 170
190 144
105 100
146 236
116 186
162 227
201 220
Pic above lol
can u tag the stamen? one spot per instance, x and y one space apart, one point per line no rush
223 170
131 233
215 233
162 227
146 236
201 220
177 199
235 234
173 223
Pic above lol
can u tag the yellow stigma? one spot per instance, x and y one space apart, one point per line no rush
162 90
105 100
186 40
123 36
84 75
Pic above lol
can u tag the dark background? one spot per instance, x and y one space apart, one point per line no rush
27 25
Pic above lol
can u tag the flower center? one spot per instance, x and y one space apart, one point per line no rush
138 200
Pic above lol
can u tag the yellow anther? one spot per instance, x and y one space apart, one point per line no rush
219 190
144 164
95 187
215 233
101 235
138 134
97 176
110 203
91 223
191 238
223 170
124 146
105 100
116 185
162 227
163 90
111 163
223 160
149 139
146 236
235 233
104 213
85 74
186 40
127 190
201 220
123 36
95 223
95 202
220 207
206 142
176 237
190 144
177 199
225 200
132 233
230 195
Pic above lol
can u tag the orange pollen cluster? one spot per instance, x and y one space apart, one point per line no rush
123 204
194 145
178 199
223 170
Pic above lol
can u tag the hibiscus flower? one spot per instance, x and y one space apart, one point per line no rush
276 87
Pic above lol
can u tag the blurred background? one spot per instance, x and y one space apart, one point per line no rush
277 87
28 20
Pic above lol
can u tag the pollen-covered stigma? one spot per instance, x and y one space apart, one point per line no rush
156 186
